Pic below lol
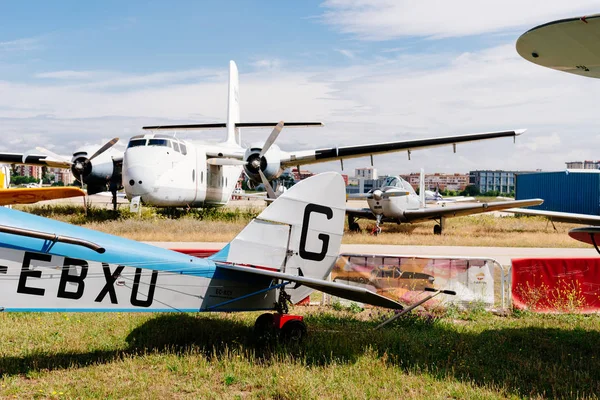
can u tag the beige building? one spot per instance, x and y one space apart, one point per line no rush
365 173
439 180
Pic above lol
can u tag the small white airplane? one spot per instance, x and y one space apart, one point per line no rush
396 201
280 257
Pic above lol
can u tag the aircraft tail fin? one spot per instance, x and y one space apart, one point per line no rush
422 188
300 233
233 105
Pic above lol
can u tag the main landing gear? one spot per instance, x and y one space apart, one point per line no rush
439 227
288 328
352 224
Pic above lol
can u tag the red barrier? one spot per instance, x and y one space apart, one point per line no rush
200 253
554 285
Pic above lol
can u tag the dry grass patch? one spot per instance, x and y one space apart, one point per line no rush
222 225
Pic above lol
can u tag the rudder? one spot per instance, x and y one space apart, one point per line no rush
300 233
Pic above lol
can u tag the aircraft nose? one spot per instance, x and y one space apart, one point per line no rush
137 181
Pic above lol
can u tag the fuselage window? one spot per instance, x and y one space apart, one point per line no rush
201 176
193 175
159 142
183 149
176 146
225 182
136 143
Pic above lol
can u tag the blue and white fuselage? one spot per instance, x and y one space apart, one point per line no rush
41 275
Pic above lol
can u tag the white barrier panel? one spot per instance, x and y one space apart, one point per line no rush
477 281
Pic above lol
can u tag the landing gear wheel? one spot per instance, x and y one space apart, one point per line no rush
352 224
376 230
437 229
264 329
293 332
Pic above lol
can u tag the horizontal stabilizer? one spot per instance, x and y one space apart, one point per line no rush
237 125
353 293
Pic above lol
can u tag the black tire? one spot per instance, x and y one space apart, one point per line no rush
437 229
293 332
264 331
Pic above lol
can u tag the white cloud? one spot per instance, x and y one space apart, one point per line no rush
267 63
23 44
388 19
66 74
401 97
348 53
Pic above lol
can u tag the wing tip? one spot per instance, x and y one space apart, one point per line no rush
519 132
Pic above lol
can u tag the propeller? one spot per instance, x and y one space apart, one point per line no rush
255 163
270 192
379 194
80 164
271 139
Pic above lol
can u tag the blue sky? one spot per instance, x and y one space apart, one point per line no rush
75 73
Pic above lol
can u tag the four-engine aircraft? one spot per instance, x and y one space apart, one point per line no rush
396 201
288 250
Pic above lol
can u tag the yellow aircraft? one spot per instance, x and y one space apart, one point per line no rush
31 195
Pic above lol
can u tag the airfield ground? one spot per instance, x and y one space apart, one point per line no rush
438 355
459 355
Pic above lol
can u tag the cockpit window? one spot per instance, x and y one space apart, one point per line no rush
392 181
176 146
183 149
159 142
136 143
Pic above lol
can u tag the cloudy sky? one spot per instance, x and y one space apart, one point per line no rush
75 73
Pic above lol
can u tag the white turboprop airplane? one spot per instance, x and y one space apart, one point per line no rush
164 170
396 201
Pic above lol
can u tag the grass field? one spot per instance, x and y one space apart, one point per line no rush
450 355
460 355
221 225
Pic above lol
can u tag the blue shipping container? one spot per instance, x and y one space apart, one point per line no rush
566 191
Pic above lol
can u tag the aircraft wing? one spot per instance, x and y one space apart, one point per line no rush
448 211
586 219
33 195
348 292
569 45
32 159
360 213
337 153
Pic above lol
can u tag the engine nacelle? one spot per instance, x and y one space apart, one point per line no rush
98 172
269 164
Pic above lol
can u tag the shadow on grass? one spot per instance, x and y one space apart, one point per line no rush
528 361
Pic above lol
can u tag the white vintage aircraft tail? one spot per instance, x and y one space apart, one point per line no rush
300 233
233 105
